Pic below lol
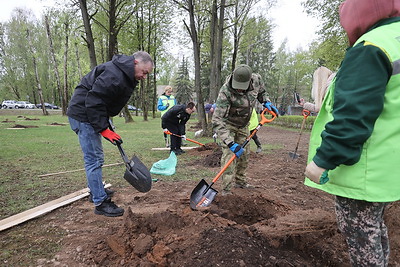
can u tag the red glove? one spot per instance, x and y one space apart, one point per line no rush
111 136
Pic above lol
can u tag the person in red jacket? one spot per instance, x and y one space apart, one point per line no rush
102 94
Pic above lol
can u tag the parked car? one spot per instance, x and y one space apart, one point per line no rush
9 104
47 106
130 107
24 104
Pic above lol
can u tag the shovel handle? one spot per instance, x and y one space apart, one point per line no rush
265 120
190 140
223 169
306 113
118 143
261 123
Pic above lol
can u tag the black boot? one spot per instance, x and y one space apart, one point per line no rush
109 209
181 150
109 193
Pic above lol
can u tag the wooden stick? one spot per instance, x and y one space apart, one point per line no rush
56 173
167 148
45 208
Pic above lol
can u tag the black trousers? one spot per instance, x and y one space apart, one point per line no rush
255 138
176 141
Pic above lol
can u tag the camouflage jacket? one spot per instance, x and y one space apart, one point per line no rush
234 107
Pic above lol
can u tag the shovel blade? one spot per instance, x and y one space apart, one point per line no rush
293 155
202 195
138 175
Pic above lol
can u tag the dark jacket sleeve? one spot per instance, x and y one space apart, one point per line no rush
171 114
183 121
358 101
109 93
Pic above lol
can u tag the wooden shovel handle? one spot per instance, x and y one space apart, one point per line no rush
261 123
190 140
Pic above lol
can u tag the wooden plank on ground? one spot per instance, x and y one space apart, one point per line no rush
45 208
167 148
56 173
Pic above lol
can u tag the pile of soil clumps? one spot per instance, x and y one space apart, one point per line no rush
281 222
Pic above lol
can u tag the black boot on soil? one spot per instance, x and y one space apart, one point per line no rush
109 209
176 151
109 193
181 150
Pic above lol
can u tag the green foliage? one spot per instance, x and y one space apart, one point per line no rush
150 26
329 51
182 84
294 122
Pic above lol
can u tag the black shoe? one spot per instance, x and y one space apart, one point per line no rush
109 209
181 150
109 193
176 151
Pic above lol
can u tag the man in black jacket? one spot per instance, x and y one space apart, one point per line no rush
102 94
174 120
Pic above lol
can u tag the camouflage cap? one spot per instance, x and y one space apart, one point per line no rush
241 77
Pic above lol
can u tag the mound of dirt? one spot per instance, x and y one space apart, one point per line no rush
57 124
280 222
19 126
7 121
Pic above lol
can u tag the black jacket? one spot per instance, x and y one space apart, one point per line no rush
103 92
177 116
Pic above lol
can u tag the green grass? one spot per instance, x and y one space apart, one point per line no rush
28 153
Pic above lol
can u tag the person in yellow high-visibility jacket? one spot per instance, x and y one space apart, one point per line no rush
165 102
252 126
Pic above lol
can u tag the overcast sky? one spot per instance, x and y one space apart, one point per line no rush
292 23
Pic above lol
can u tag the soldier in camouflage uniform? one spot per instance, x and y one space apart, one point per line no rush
236 99
356 136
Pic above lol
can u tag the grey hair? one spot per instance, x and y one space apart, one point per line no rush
143 56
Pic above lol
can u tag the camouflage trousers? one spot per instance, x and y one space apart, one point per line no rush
362 225
236 172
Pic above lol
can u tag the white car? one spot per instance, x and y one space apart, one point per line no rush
9 104
24 104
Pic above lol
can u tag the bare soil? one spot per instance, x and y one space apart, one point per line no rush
280 222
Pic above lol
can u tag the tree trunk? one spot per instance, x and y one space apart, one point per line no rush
65 91
89 35
197 70
39 87
155 98
219 49
127 115
78 61
112 34
213 46
217 26
53 57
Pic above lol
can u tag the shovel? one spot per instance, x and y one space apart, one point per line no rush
136 172
294 155
203 194
190 140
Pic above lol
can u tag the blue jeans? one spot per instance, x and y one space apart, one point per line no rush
93 157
